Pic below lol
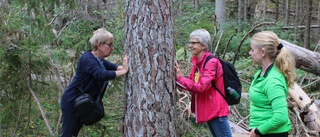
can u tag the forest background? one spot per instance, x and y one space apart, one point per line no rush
41 41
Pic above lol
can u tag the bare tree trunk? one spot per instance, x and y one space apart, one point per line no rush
296 18
318 21
265 5
196 4
287 12
306 60
308 24
283 9
150 83
178 8
245 10
220 11
277 10
240 13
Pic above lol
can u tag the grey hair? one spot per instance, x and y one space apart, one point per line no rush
101 35
203 36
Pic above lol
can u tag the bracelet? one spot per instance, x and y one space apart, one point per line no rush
256 131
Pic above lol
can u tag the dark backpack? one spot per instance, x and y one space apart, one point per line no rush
231 79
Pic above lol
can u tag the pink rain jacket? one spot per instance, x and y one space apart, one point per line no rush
206 102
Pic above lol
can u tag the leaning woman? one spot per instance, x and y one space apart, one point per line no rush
206 102
92 75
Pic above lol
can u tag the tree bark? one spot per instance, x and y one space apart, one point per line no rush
296 18
220 11
287 11
308 24
195 4
265 7
318 21
178 8
245 10
150 83
277 10
306 106
240 13
306 60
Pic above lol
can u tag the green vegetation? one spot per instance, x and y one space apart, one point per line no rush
26 67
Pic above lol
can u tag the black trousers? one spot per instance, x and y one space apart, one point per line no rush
285 134
71 125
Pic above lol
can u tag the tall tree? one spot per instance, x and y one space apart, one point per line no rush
150 83
308 24
277 10
245 10
195 4
220 11
265 8
240 13
296 17
287 12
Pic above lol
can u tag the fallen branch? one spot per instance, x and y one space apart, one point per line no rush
245 36
40 108
305 104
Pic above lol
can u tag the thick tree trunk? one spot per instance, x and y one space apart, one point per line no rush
306 60
150 82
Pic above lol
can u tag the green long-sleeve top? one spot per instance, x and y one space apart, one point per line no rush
268 106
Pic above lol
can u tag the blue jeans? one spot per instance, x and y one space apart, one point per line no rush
219 127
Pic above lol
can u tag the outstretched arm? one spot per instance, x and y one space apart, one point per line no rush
121 70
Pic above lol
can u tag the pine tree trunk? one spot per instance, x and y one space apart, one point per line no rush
150 83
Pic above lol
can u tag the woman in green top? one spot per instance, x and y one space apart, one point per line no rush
269 88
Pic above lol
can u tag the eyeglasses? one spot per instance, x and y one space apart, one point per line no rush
110 45
193 43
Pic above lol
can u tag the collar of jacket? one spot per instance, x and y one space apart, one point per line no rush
201 60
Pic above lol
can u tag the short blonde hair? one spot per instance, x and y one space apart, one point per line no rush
101 35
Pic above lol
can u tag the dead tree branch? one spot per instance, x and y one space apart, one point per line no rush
40 108
244 37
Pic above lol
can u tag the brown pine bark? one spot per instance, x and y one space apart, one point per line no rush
150 82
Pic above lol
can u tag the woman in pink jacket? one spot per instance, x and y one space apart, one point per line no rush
206 102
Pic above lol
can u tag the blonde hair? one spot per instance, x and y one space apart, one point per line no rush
101 35
285 62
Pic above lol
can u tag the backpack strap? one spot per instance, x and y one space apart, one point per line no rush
213 83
